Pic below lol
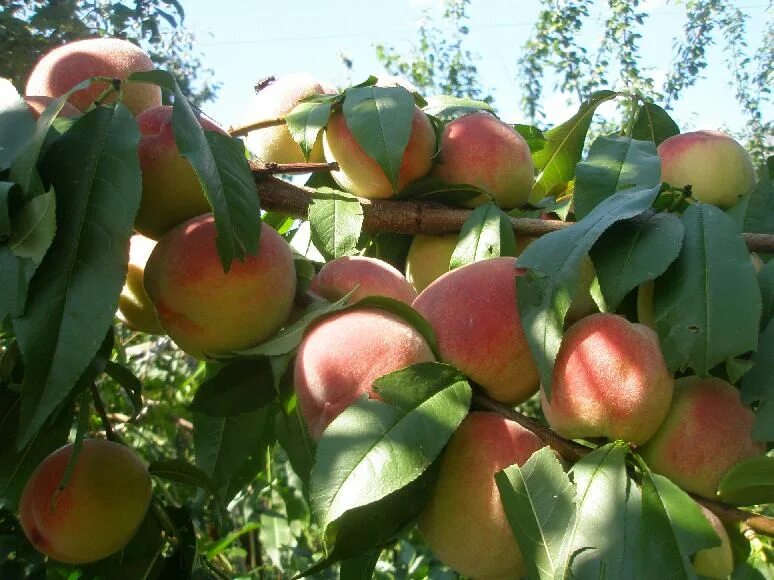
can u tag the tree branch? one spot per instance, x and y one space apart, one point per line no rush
242 130
415 217
291 168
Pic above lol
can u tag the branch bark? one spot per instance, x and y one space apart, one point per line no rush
415 217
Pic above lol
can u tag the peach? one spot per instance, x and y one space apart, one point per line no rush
715 165
38 104
371 276
464 523
205 310
428 258
96 513
340 357
717 562
171 192
707 431
473 312
274 144
360 174
480 150
610 380
67 65
135 308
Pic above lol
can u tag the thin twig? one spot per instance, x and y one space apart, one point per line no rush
102 412
242 130
291 168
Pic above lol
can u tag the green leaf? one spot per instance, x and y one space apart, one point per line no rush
432 188
447 107
545 292
758 386
306 121
180 471
707 305
223 171
373 449
634 251
539 502
359 567
336 220
130 383
226 446
759 217
294 438
564 147
614 163
275 534
672 530
487 233
380 120
238 387
6 189
74 295
653 124
534 137
34 226
602 539
17 125
749 482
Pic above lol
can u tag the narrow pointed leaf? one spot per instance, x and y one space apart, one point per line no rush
653 124
487 233
750 482
17 125
306 121
336 220
34 227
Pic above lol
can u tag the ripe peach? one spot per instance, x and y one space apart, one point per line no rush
339 359
717 562
473 312
715 165
480 150
96 513
371 276
171 192
464 523
274 144
706 432
135 308
67 65
609 380
360 174
428 258
38 104
205 310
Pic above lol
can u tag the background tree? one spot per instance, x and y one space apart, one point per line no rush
30 28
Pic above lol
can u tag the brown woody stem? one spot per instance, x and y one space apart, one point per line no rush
415 217
291 168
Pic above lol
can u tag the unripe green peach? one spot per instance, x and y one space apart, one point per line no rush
371 276
341 356
717 562
480 150
206 311
135 308
715 165
707 431
362 175
610 380
96 513
464 523
274 144
171 192
473 312
67 65
428 258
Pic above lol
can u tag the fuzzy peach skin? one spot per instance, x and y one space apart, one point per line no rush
715 165
473 312
66 66
464 523
38 104
480 150
96 513
717 562
707 432
371 276
339 359
274 144
135 308
171 192
610 380
360 174
207 311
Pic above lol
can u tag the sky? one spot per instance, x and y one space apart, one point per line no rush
243 41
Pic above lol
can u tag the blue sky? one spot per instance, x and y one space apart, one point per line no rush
243 41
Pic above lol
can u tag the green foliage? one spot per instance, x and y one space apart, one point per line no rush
487 233
750 482
335 219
